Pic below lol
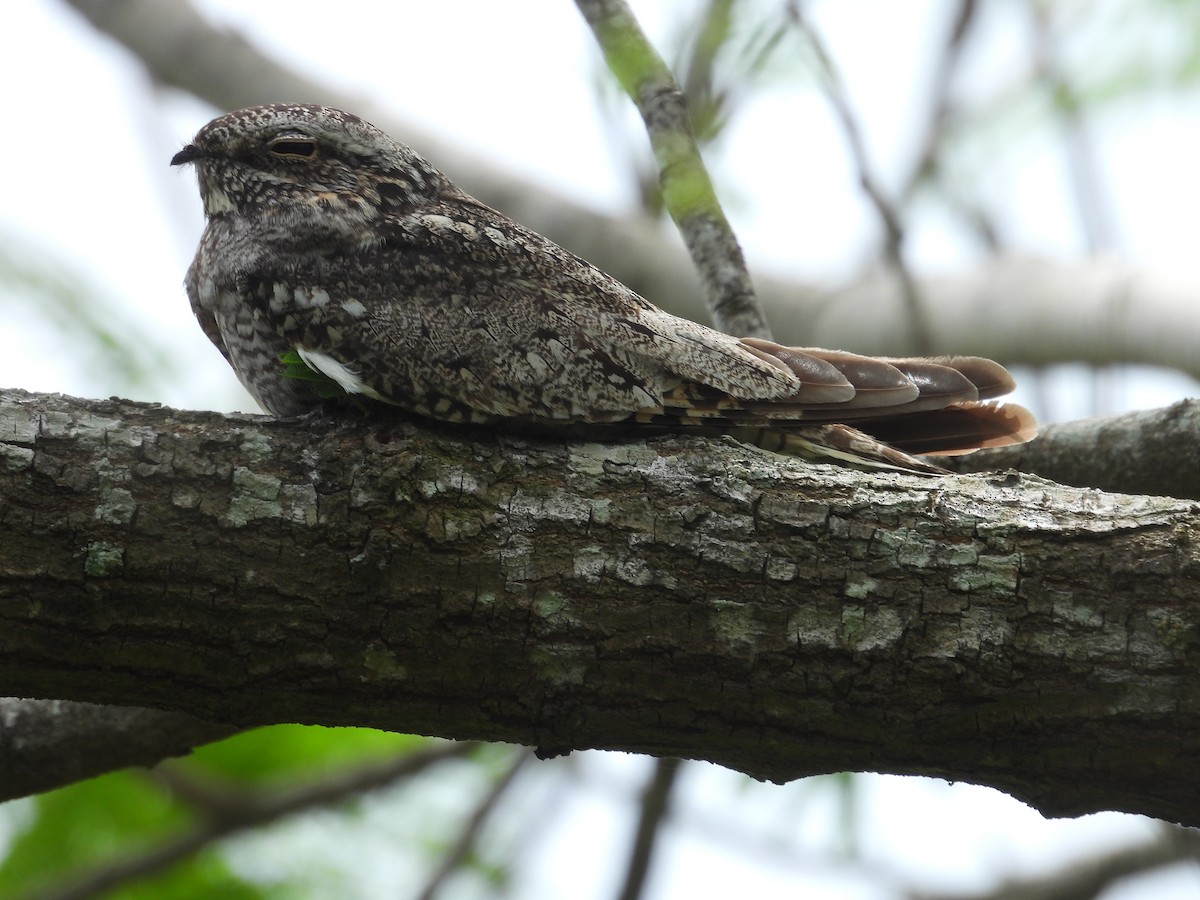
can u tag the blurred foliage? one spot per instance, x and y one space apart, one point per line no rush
89 824
1078 58
1122 49
281 753
721 57
98 335
721 60
64 833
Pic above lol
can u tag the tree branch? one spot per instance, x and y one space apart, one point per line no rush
656 797
687 190
1018 309
1155 451
231 811
1090 878
40 740
889 217
1082 168
679 597
456 856
941 106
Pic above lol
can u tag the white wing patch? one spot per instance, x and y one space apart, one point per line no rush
340 373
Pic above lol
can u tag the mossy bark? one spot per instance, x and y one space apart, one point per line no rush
677 597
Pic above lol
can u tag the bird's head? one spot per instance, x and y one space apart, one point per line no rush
299 166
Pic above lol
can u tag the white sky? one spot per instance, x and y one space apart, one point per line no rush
85 152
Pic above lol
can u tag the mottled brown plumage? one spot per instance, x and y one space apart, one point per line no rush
327 238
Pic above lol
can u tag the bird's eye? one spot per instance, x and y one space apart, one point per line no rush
293 148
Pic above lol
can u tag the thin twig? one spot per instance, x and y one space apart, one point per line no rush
1090 878
686 187
1083 168
922 338
705 100
941 107
942 112
228 811
470 832
655 800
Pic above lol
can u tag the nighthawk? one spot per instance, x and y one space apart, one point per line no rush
329 240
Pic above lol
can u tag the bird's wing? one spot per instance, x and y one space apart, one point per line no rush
480 318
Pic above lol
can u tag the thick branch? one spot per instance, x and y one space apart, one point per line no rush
1020 310
1155 451
681 597
41 740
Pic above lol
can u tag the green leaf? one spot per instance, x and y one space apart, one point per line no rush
280 752
101 821
296 368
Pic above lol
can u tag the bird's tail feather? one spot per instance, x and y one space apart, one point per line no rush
891 443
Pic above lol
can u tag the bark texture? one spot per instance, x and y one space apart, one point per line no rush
676 597
1153 451
45 744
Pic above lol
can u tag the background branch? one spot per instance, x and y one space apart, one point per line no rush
242 809
941 107
1081 165
1155 451
889 217
656 799
1090 878
454 858
40 741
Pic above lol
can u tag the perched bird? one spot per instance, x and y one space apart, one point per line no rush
328 240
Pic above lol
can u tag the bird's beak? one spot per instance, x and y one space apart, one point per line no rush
188 154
